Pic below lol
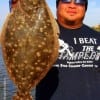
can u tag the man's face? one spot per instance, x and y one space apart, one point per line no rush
71 11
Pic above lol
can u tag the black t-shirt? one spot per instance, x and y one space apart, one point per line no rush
76 73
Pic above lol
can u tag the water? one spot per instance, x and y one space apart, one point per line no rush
7 88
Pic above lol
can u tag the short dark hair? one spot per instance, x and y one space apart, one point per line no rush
57 2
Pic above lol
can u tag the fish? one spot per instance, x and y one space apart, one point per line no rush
29 41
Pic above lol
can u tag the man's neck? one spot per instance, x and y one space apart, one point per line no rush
70 25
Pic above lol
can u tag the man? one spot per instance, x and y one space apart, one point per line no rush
76 74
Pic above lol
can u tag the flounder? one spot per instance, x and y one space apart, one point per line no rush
29 44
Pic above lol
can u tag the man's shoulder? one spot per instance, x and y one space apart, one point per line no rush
91 30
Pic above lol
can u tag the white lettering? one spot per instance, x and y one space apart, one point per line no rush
87 41
88 48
